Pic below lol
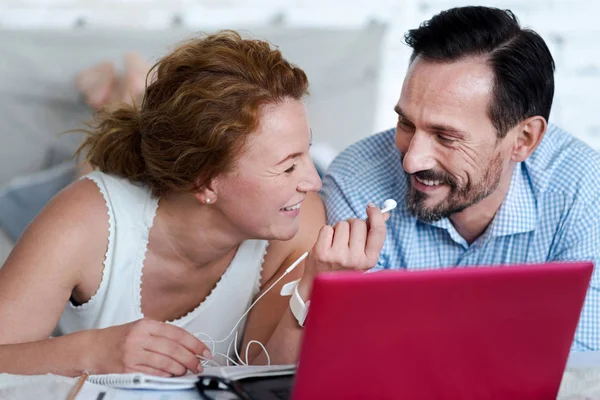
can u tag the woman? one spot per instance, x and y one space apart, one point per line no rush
201 198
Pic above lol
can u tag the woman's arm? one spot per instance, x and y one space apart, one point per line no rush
65 240
271 321
349 245
61 253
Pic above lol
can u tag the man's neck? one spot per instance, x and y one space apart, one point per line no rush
473 221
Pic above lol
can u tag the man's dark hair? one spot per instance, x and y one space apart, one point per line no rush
521 61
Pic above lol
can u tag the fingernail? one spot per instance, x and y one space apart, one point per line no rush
371 205
386 217
207 354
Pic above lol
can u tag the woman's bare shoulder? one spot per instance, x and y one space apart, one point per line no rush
73 225
80 207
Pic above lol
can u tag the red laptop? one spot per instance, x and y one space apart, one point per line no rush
460 333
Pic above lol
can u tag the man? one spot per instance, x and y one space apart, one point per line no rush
485 178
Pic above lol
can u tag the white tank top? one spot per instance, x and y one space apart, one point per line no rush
131 211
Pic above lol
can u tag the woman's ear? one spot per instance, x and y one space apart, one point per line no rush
528 136
206 193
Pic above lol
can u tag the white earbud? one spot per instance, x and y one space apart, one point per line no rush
388 205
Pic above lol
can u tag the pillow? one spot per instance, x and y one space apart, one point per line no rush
23 198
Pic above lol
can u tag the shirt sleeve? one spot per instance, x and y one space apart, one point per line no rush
582 243
339 207
337 204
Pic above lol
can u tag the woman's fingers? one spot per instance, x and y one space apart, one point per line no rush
144 369
179 335
174 350
375 236
162 363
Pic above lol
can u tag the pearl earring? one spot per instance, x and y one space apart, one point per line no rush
207 201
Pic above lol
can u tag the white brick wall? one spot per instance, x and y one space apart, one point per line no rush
569 26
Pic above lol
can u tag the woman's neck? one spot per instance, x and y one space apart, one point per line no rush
189 234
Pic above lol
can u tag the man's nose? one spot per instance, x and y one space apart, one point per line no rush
419 155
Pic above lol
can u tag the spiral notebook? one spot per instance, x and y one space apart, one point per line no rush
144 381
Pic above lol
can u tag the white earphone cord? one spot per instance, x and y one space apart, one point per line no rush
387 206
213 342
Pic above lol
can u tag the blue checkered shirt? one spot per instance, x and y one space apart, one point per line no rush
551 213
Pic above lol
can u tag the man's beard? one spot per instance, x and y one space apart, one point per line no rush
459 198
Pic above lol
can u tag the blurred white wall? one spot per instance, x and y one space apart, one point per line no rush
570 27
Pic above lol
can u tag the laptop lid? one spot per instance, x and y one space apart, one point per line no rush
464 333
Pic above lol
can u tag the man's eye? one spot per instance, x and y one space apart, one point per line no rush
290 169
445 139
404 126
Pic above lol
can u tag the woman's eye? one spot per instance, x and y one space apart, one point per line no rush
290 169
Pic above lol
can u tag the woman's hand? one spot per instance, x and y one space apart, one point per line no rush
349 245
146 346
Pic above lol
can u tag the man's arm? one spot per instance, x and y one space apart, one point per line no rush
337 205
582 243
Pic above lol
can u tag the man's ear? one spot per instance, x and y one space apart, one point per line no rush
528 135
206 192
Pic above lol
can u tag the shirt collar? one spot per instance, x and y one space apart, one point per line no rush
518 213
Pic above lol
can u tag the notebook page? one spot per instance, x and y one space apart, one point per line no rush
250 371
144 381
